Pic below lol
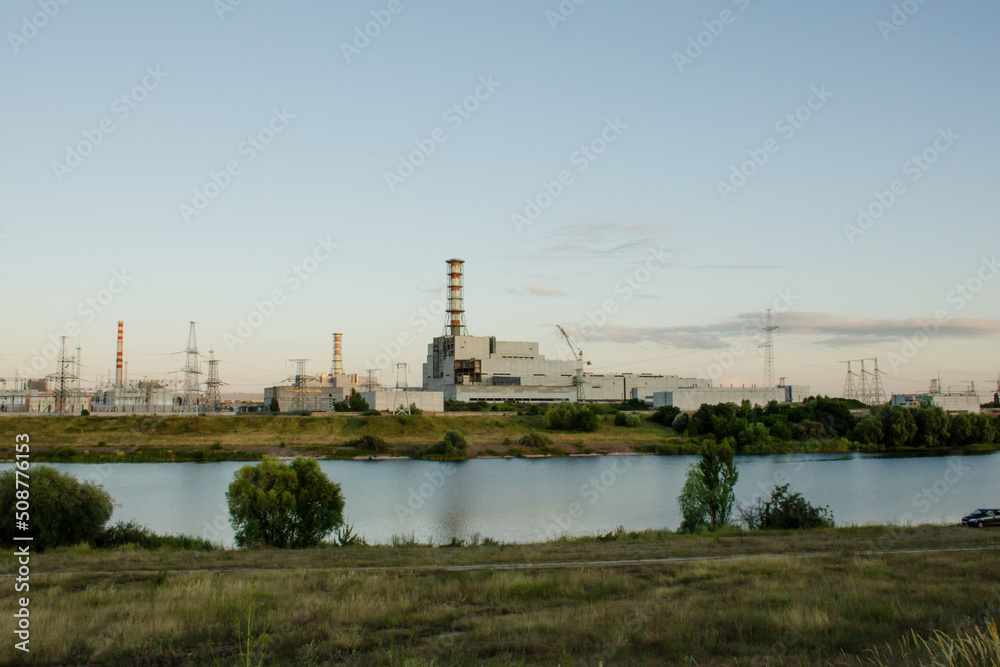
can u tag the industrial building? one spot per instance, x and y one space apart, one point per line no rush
690 399
319 393
482 368
960 401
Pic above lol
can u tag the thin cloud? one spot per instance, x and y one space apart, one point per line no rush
541 290
831 330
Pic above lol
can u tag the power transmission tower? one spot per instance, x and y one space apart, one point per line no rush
299 386
864 394
850 390
371 381
192 369
64 380
876 390
213 385
400 399
768 330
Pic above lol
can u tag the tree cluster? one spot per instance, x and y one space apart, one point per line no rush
821 418
571 417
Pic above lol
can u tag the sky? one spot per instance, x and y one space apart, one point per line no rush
650 175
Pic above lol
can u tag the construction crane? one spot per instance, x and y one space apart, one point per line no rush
578 355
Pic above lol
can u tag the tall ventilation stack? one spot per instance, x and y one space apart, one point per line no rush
118 367
455 324
338 362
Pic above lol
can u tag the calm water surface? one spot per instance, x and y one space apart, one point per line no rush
523 500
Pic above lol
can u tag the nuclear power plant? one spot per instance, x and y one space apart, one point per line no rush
458 367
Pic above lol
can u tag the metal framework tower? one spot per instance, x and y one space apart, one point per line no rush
213 385
64 381
299 385
191 389
850 388
400 399
371 379
768 330
455 323
864 393
876 392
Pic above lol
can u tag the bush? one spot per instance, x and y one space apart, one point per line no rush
283 505
571 417
785 511
370 444
666 415
131 533
63 510
535 440
453 446
356 403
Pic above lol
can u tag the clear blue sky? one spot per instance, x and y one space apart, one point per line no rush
343 121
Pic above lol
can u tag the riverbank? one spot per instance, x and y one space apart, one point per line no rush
148 438
792 598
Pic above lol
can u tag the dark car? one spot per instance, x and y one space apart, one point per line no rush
981 518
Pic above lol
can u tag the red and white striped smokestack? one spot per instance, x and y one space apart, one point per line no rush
455 324
338 362
118 368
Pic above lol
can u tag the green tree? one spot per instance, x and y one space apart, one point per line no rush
61 510
356 402
452 446
274 407
291 505
898 425
959 430
571 417
868 431
665 414
932 427
708 496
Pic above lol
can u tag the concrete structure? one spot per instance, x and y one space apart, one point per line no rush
428 401
482 368
142 397
316 396
966 401
690 399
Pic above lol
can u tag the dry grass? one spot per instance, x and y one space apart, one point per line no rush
833 607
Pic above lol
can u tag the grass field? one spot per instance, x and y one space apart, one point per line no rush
247 437
825 597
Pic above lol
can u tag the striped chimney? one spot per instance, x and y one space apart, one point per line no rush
338 362
118 368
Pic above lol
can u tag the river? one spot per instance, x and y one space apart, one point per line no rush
525 500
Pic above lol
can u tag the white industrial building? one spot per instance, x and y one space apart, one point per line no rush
960 401
391 401
691 398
